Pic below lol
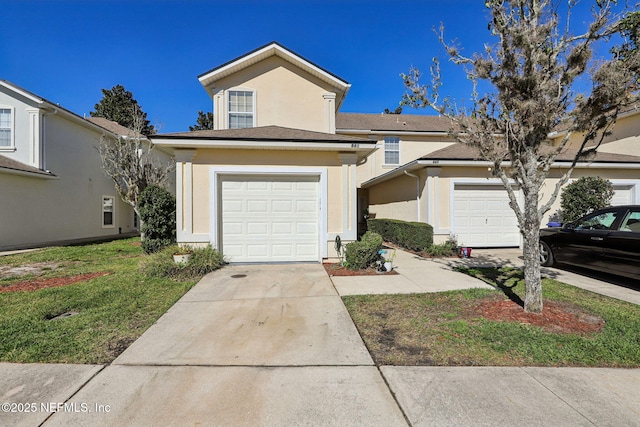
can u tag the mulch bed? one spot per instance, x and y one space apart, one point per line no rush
34 285
556 317
334 269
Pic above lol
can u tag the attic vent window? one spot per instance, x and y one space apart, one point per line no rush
241 109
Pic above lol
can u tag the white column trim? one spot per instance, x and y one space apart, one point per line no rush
349 196
184 195
330 111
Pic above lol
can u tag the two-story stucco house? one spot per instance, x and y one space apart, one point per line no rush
273 181
52 187
283 172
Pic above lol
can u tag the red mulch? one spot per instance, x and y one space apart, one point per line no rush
34 285
555 317
334 269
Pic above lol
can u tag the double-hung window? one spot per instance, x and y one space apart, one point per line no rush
241 109
391 150
6 128
108 205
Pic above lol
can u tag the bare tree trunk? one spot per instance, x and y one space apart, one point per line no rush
531 235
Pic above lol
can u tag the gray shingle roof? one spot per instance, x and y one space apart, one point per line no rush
111 126
392 122
13 165
467 152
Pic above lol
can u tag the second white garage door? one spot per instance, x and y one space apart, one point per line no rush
269 218
483 218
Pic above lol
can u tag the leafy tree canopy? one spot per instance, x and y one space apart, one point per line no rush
204 121
118 105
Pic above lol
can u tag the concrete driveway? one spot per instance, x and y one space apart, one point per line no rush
249 345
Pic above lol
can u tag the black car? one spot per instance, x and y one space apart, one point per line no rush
607 240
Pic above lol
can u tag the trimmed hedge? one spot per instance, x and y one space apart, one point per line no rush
363 253
415 236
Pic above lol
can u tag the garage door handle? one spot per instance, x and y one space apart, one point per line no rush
599 239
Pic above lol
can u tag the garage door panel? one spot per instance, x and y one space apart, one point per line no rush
259 186
258 228
270 218
233 206
306 206
232 228
307 228
284 228
257 250
282 206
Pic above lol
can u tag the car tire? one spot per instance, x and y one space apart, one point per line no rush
546 256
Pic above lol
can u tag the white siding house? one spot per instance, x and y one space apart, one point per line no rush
52 187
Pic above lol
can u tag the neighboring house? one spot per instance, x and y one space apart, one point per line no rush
420 174
52 187
273 181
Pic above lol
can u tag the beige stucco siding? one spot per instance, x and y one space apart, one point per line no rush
411 148
396 198
284 96
240 162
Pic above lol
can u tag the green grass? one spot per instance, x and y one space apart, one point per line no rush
444 329
113 310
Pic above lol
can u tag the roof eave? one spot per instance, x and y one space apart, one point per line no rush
28 174
423 163
284 144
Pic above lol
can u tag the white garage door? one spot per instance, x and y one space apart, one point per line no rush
270 218
623 195
483 218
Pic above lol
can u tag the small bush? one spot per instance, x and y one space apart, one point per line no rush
157 208
202 261
448 248
584 196
364 253
415 236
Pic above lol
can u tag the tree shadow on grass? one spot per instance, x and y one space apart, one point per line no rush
504 279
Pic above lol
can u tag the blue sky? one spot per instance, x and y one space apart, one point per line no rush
68 50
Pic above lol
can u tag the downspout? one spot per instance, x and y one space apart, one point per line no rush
417 190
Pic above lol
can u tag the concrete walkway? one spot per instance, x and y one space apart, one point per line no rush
273 345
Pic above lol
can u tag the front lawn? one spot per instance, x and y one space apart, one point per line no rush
86 321
477 327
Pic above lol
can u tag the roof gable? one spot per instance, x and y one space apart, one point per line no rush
209 78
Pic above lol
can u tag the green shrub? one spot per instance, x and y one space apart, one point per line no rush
157 208
584 196
203 260
364 253
415 236
445 249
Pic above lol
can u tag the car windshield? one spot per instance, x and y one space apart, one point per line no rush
601 221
